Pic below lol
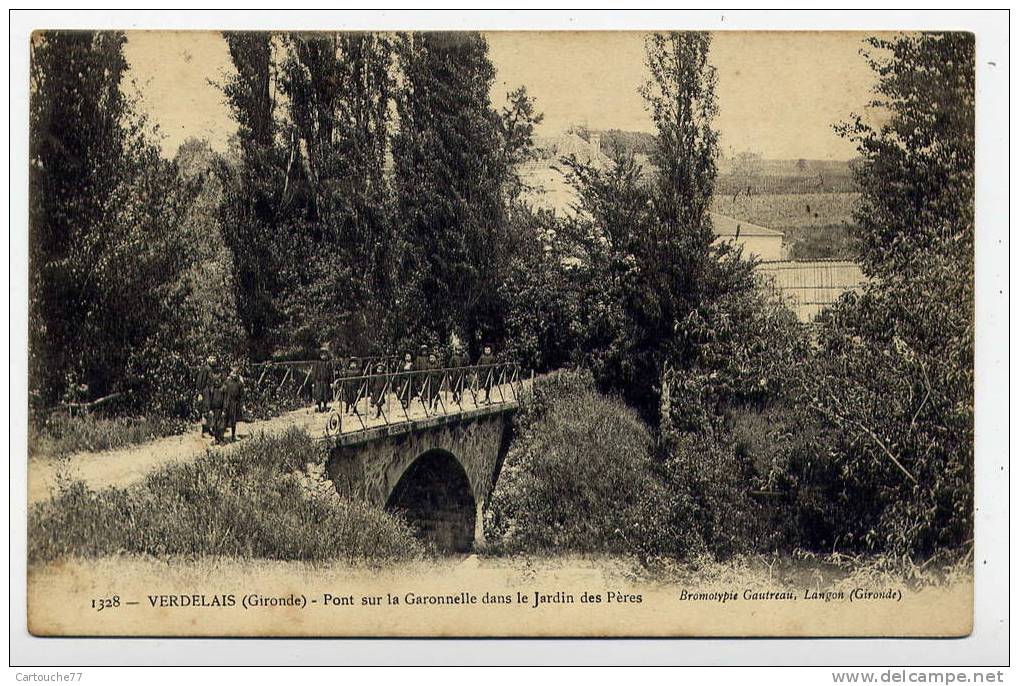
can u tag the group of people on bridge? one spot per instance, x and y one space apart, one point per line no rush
220 389
423 377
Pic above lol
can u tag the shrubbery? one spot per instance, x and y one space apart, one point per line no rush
710 509
62 435
578 477
585 474
247 503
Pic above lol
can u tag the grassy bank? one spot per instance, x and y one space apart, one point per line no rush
252 502
61 435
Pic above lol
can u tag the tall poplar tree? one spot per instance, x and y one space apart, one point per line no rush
649 241
76 148
451 175
339 90
254 191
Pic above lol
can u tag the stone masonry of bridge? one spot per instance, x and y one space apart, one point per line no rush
438 470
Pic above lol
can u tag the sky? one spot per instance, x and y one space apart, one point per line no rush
779 93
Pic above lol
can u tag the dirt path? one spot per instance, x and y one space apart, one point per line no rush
128 465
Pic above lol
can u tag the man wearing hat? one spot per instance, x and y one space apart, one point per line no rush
204 390
486 371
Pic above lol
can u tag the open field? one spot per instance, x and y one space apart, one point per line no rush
770 176
785 211
816 225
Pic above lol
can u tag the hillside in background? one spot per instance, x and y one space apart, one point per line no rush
816 225
810 201
737 174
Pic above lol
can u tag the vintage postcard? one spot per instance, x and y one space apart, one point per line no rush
501 334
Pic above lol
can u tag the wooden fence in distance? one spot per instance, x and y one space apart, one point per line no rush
810 286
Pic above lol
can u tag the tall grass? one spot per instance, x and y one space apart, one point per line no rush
60 435
247 503
578 477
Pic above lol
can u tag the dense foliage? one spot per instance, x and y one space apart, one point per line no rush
868 444
370 208
107 243
895 371
579 476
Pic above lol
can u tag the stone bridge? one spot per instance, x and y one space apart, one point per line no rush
436 466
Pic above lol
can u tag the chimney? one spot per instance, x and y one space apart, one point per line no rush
596 143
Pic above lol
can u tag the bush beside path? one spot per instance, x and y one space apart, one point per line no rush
129 465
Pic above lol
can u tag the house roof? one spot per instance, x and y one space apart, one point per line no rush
727 226
566 144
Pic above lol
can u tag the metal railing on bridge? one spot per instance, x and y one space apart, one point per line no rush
294 376
373 400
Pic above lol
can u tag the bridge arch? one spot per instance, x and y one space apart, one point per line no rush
459 457
436 496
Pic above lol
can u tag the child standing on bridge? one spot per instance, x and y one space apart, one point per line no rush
379 386
458 362
351 386
433 383
321 381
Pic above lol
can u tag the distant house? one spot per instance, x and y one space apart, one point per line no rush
567 144
806 287
763 243
546 175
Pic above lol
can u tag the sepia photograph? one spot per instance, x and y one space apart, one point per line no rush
501 333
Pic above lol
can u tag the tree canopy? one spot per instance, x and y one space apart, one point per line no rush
106 244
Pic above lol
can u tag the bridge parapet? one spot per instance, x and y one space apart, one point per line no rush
437 450
375 432
388 403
